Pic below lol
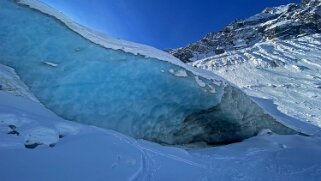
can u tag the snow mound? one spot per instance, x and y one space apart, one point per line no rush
38 136
32 127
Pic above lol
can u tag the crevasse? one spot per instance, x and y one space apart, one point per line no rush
142 97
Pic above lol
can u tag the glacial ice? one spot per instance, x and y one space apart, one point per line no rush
133 94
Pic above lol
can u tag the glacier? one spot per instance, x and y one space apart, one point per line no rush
141 95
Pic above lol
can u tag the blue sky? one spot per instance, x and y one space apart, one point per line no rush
160 23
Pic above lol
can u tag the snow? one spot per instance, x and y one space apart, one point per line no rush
281 9
36 144
90 153
40 135
284 71
239 43
270 12
178 73
280 24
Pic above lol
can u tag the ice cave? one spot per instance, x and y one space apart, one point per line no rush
138 95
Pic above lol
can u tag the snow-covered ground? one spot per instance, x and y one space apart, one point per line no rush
285 71
35 144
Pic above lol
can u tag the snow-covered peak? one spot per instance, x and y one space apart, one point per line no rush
282 22
279 9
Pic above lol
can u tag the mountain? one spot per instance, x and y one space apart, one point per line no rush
283 22
285 71
273 55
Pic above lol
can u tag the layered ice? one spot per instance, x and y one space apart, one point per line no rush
140 96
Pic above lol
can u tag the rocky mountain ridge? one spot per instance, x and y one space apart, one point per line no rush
282 22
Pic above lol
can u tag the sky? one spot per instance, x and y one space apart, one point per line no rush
160 23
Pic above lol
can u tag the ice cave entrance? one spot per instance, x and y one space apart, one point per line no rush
142 97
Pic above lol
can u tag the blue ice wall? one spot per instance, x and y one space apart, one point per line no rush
84 82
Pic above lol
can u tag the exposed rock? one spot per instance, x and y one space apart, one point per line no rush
283 22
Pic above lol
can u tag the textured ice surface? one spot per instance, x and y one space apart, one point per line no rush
85 82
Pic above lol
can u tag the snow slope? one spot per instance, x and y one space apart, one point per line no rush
272 55
285 71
